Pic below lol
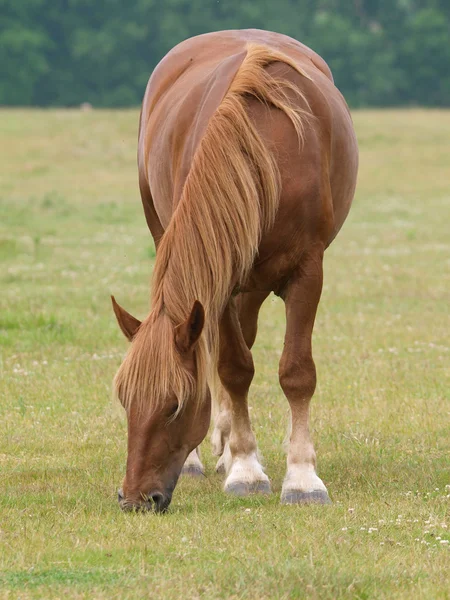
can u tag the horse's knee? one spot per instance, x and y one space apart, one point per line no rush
297 377
236 376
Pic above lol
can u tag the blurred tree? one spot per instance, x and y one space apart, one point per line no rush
425 58
65 52
23 46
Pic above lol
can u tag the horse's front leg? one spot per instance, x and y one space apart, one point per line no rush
248 305
298 381
245 474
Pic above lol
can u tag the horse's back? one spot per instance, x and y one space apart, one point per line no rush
186 89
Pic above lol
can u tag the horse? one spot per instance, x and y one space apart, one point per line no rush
247 163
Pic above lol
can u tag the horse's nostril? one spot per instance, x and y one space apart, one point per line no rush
158 499
155 501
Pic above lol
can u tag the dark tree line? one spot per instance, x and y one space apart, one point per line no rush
65 52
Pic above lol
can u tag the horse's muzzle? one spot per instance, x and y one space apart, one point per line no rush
153 502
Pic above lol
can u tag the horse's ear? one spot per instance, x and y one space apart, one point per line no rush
187 334
127 323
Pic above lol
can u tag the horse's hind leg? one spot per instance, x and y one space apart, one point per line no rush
193 465
235 367
222 427
248 305
298 380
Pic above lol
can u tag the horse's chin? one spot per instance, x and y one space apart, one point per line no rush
154 502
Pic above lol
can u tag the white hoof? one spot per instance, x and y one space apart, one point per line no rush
247 476
193 465
302 486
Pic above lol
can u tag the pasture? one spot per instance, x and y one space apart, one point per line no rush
72 231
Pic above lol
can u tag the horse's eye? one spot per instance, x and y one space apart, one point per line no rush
173 408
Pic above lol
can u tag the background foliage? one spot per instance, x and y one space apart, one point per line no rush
65 52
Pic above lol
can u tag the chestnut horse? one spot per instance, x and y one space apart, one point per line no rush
247 168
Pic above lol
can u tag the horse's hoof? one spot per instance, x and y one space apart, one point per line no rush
299 497
193 471
242 488
220 468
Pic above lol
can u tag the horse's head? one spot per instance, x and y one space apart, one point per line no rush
162 386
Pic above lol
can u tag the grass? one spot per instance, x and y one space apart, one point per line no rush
72 232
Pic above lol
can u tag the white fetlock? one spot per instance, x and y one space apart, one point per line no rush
302 485
225 461
221 433
247 476
217 441
193 465
303 478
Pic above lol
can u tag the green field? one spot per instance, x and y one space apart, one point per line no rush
72 232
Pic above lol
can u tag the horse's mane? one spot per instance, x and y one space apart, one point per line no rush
230 197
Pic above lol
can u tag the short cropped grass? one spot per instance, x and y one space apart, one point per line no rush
72 232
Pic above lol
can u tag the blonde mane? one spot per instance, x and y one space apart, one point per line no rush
229 199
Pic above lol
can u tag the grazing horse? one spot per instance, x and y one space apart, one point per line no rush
247 169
